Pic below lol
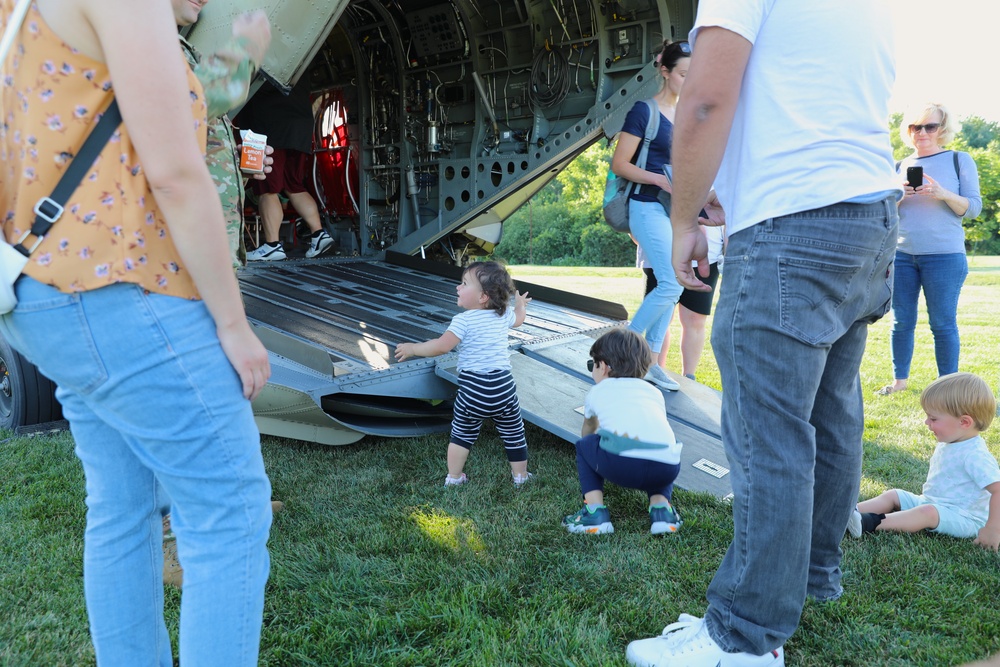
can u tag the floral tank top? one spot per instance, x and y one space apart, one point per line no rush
112 229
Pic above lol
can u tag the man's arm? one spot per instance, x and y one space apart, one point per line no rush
226 74
703 121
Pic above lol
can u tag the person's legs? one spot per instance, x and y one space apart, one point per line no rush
457 456
305 206
268 201
587 465
271 215
942 277
883 503
797 292
151 398
905 293
837 475
651 228
692 339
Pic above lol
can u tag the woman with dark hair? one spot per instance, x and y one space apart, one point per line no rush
648 221
930 254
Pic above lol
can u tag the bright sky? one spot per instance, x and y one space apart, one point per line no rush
947 52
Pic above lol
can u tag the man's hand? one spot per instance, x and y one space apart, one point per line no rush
690 245
716 214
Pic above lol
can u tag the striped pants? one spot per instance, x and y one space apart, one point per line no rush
490 395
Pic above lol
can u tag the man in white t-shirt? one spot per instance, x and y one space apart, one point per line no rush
785 107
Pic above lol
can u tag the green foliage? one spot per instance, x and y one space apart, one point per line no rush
563 224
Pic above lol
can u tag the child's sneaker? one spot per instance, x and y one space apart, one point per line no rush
688 643
521 480
451 481
595 521
664 519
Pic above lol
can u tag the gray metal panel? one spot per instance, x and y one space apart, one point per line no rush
298 28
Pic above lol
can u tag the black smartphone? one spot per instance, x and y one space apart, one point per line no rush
915 176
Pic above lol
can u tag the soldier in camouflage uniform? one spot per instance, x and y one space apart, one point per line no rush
225 77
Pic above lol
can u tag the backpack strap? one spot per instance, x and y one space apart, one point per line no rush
652 128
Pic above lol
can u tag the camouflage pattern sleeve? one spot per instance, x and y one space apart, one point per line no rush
225 75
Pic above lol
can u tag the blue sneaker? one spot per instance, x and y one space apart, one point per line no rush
595 521
664 519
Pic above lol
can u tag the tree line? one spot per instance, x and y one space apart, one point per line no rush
563 226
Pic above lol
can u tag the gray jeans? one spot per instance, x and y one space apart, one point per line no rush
789 333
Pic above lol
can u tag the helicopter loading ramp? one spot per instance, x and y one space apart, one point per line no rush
331 326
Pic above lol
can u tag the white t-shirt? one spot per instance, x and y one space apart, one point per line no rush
811 126
633 408
959 474
483 333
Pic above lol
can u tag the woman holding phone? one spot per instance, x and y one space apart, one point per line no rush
930 255
131 306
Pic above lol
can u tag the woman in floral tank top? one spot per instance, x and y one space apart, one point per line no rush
131 307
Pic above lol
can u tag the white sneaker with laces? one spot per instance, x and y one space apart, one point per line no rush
687 643
659 377
854 523
266 253
318 244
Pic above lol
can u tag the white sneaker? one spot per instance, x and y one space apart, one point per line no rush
854 523
455 481
266 253
521 480
687 643
318 244
659 377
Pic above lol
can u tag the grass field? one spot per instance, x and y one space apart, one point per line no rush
375 563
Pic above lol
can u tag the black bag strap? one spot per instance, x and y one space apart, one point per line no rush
49 209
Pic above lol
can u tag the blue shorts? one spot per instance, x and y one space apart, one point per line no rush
952 521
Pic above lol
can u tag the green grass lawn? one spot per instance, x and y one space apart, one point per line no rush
375 563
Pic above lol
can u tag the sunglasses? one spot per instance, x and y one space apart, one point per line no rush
930 128
590 365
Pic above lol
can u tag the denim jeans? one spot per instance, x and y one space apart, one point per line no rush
152 400
941 277
789 333
650 226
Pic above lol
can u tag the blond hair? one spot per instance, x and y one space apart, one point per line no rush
919 115
959 394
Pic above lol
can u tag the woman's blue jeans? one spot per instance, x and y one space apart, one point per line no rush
650 226
941 277
789 334
152 400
